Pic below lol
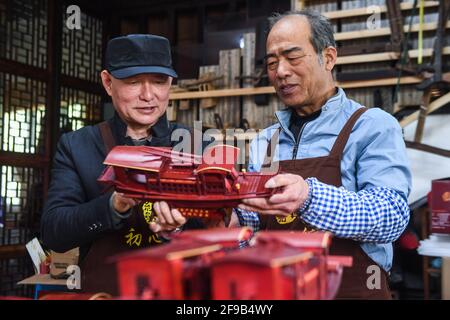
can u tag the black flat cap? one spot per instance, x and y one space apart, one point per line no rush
139 53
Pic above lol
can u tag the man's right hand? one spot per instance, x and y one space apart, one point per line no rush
121 203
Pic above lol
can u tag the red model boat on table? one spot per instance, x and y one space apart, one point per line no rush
294 266
197 186
208 264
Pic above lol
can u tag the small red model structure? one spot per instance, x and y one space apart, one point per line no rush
203 265
282 265
178 270
207 264
197 186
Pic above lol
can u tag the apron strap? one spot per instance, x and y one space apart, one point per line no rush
341 141
107 136
270 151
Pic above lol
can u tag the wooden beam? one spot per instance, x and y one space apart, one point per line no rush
271 90
81 84
427 148
24 70
297 5
12 251
222 93
370 57
366 10
366 33
53 92
19 159
386 56
436 104
378 83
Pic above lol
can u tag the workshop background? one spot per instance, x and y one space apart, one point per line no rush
391 54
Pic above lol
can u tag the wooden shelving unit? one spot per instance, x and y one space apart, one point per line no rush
351 13
386 56
360 90
224 93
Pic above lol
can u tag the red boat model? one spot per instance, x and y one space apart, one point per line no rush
294 266
197 185
208 264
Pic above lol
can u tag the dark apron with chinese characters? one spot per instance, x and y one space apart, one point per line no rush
327 169
98 273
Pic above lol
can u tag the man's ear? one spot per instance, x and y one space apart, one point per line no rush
329 57
106 81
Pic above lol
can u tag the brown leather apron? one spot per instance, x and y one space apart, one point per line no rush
98 273
327 169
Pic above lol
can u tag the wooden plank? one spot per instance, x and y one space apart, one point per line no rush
271 90
423 111
386 56
230 69
222 93
23 70
53 90
436 104
366 10
250 111
19 159
350 35
12 251
366 75
445 282
364 58
297 5
377 83
81 84
427 148
207 115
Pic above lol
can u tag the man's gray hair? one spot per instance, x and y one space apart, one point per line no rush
321 29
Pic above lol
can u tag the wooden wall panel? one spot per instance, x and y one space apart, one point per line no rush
186 110
207 115
227 108
343 22
250 110
35 49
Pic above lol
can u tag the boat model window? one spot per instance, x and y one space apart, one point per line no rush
214 182
140 176
137 176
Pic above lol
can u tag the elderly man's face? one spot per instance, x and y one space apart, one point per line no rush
139 100
293 65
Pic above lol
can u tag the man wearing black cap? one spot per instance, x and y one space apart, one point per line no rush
138 77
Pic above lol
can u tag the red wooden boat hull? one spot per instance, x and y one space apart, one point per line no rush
197 186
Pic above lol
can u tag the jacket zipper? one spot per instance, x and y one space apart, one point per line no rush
297 141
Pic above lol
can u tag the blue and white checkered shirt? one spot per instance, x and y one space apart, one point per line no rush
371 206
376 215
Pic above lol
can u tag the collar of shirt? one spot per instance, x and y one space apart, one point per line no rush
161 130
330 107
297 122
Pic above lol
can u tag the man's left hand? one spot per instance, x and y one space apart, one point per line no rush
168 219
294 193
